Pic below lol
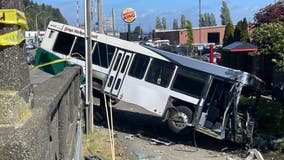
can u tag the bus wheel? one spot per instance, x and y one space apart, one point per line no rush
180 118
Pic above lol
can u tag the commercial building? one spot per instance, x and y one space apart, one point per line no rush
202 35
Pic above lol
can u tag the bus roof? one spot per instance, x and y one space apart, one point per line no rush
217 70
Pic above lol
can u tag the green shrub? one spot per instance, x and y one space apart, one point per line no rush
270 118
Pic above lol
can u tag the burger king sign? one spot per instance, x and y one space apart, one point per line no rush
128 15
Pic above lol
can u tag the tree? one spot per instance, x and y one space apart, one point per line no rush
269 38
164 23
241 31
49 14
229 34
237 32
225 14
158 23
182 22
175 24
189 34
207 19
271 13
244 31
138 29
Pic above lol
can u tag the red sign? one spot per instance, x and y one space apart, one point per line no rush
128 15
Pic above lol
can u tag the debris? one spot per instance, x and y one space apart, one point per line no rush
254 154
162 141
232 158
224 149
139 135
185 150
130 137
141 156
92 157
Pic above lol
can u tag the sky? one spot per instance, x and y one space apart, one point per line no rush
148 10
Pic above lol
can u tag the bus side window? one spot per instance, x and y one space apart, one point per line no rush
189 82
103 54
63 43
79 49
139 66
160 73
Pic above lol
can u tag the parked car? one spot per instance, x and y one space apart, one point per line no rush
30 46
216 57
30 58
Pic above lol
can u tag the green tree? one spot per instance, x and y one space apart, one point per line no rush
225 14
182 22
189 34
207 19
244 31
164 23
158 23
229 34
138 29
241 31
237 32
49 13
269 38
175 24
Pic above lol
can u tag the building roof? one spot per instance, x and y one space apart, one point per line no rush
240 47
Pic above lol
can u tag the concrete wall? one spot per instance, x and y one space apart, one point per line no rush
49 132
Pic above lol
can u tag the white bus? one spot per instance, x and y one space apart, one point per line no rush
184 92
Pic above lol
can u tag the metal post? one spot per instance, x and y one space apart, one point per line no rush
211 56
37 44
88 63
128 31
113 24
199 25
100 16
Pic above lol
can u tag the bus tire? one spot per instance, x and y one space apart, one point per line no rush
179 119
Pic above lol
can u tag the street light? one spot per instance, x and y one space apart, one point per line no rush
37 27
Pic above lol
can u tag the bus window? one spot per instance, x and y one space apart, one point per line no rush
124 64
139 66
63 43
189 82
160 73
103 54
79 49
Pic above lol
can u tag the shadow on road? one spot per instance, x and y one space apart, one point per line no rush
150 126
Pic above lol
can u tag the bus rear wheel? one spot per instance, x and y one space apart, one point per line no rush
179 119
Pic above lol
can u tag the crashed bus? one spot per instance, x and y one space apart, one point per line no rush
185 92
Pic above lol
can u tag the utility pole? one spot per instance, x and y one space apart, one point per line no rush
200 25
100 16
88 64
113 22
77 14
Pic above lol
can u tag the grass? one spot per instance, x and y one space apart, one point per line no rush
98 143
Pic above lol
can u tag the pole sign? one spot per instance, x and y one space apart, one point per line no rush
128 15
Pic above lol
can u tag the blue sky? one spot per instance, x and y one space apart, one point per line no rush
148 10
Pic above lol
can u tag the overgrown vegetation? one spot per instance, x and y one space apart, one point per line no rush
98 144
43 12
270 117
270 124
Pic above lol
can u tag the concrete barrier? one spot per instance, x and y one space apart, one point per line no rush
49 131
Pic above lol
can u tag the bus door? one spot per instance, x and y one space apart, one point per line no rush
117 72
